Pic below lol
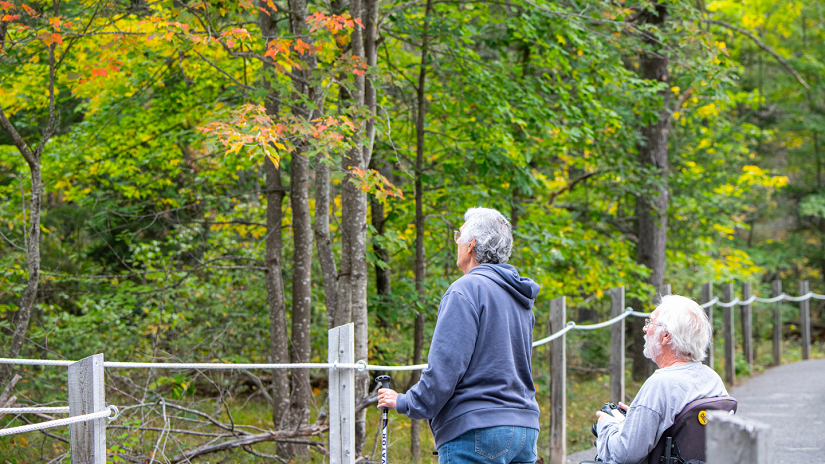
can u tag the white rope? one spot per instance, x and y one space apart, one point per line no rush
570 326
605 323
58 423
63 410
804 297
397 368
49 362
231 365
748 301
729 303
775 299
362 365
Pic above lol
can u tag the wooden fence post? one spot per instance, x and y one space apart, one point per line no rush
617 354
777 324
734 440
342 396
707 295
558 384
805 320
87 396
747 325
728 332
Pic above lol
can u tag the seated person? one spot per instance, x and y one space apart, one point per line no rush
677 336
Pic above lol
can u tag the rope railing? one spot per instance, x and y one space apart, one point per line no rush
60 410
362 365
109 413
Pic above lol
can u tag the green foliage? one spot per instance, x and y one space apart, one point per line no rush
153 240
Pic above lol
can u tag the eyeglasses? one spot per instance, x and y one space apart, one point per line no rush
456 235
648 323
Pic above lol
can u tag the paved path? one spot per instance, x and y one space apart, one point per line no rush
789 398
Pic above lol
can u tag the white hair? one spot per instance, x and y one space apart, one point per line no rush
493 234
690 331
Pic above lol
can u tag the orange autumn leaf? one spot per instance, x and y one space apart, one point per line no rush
57 38
29 10
10 17
301 46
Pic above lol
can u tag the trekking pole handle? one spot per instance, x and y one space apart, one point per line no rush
384 380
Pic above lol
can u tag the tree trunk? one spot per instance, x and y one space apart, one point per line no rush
301 231
32 235
383 275
323 242
301 292
279 348
651 205
355 202
420 258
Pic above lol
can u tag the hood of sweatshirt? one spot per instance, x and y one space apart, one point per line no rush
523 289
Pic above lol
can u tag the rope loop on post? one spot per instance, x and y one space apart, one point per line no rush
115 411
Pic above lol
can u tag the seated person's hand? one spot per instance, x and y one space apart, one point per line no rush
619 417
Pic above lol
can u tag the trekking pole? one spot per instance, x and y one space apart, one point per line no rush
384 380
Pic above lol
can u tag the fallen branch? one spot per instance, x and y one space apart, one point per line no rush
246 440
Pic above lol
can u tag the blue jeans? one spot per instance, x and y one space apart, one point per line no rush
492 445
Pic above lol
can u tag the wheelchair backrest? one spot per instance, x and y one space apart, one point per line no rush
688 429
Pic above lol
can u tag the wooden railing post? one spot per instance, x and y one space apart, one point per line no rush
734 440
747 325
707 295
342 396
87 396
728 333
617 354
805 320
777 324
558 384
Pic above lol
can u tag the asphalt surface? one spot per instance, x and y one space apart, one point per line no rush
789 398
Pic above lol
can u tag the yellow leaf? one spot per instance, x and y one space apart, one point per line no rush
235 148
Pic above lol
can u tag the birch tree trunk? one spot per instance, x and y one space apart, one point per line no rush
279 348
651 205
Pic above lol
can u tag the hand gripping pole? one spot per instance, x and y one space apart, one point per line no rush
384 380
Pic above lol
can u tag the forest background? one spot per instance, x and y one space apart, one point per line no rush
222 181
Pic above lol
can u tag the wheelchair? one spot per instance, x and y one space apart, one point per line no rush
684 441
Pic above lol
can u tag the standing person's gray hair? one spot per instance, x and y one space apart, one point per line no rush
493 234
690 330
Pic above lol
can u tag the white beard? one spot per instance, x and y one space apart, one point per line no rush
653 346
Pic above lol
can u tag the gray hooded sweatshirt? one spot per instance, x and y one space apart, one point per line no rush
479 361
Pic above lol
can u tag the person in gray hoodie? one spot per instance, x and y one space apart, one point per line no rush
477 391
